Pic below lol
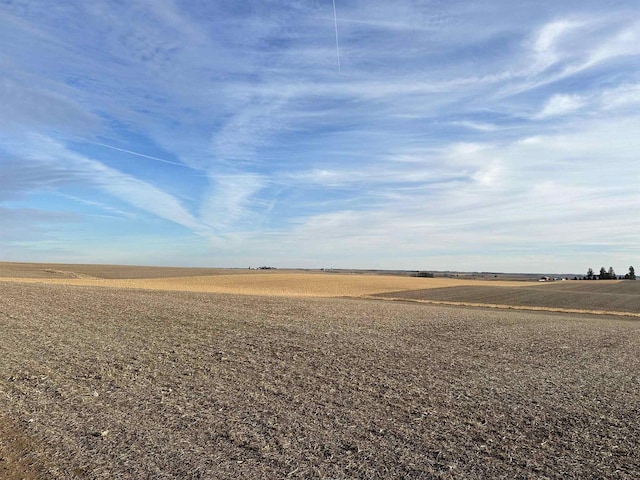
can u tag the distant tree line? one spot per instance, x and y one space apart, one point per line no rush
610 274
424 274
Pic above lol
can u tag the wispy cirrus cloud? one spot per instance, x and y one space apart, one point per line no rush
48 159
561 104
229 199
461 128
537 191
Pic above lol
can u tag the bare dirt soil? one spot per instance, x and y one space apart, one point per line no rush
17 461
108 383
601 296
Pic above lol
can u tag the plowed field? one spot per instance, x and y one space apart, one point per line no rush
102 383
602 297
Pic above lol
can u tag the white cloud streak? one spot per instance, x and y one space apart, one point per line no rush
466 128
230 199
46 155
562 105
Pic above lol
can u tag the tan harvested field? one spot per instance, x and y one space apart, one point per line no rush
610 297
125 383
269 284
247 282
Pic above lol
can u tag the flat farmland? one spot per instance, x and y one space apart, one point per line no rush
601 297
247 282
88 271
100 381
622 297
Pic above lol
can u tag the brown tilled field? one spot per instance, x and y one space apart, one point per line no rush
621 297
114 382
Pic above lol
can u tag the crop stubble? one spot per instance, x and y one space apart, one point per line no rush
268 284
613 297
129 383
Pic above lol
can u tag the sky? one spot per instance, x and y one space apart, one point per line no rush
427 135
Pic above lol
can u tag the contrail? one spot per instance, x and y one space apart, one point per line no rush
150 157
335 21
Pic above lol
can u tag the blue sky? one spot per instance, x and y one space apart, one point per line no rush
464 135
